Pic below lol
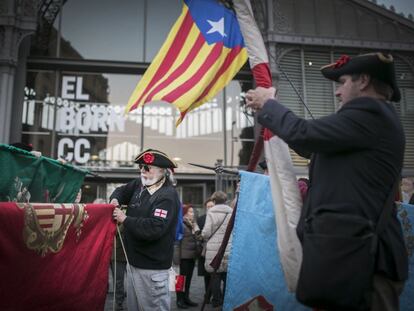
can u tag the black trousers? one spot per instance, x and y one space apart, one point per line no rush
202 272
217 293
119 280
386 294
186 268
207 278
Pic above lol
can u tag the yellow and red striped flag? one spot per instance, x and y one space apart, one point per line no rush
203 52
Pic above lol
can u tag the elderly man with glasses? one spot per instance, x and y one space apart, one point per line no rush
149 227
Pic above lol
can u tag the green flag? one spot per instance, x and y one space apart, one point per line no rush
25 177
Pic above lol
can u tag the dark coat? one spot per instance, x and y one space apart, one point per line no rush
150 224
357 157
411 201
188 243
201 221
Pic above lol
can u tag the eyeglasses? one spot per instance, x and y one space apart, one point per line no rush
145 167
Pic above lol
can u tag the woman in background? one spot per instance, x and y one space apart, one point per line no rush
213 232
188 256
209 203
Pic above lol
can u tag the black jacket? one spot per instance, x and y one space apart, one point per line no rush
357 156
201 221
150 224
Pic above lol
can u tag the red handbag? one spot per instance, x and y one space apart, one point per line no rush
179 283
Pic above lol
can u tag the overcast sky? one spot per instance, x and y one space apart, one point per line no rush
405 6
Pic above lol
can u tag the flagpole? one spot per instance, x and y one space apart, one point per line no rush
224 119
144 57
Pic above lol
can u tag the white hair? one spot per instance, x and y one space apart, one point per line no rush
170 175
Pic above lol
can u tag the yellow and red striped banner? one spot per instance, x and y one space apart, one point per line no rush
202 54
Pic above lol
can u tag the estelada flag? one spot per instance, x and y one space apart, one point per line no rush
203 52
54 257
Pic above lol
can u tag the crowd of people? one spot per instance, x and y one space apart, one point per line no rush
352 210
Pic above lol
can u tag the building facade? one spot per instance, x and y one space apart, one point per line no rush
68 68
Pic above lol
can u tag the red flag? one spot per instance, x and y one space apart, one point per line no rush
55 256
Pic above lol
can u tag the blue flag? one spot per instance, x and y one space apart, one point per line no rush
254 267
406 215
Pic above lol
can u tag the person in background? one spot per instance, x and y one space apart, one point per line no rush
149 229
213 232
28 148
263 166
187 256
209 203
407 190
303 184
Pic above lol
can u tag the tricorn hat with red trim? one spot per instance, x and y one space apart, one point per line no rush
155 158
377 65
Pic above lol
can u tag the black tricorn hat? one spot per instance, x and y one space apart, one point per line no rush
155 158
377 65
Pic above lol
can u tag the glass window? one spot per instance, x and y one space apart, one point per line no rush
239 127
91 127
319 90
103 29
38 112
193 194
198 139
161 16
291 81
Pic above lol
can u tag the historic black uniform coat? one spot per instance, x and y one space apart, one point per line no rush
357 156
150 224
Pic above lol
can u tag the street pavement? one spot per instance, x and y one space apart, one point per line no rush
196 295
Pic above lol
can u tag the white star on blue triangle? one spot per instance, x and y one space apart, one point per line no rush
217 27
216 22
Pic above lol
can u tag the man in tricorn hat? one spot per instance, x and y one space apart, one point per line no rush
357 157
149 230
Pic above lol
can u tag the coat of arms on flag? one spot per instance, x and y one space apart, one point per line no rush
71 271
202 54
46 225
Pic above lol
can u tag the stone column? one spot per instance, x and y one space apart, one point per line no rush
17 21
